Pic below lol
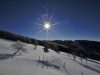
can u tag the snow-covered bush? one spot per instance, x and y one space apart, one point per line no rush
46 47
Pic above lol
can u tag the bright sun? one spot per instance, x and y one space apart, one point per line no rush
46 25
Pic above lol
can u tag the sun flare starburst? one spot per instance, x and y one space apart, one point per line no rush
47 24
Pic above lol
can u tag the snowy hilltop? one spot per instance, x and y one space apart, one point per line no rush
38 62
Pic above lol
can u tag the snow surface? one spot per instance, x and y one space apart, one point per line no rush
30 64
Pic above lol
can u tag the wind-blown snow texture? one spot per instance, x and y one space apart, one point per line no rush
32 63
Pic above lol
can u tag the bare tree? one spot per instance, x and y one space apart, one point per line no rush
74 55
19 46
35 44
64 65
81 57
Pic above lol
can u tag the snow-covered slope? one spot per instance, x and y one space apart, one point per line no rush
32 63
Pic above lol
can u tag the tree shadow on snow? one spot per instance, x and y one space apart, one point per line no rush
67 71
89 67
5 56
47 64
93 61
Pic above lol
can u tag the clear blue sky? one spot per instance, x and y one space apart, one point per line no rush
77 19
